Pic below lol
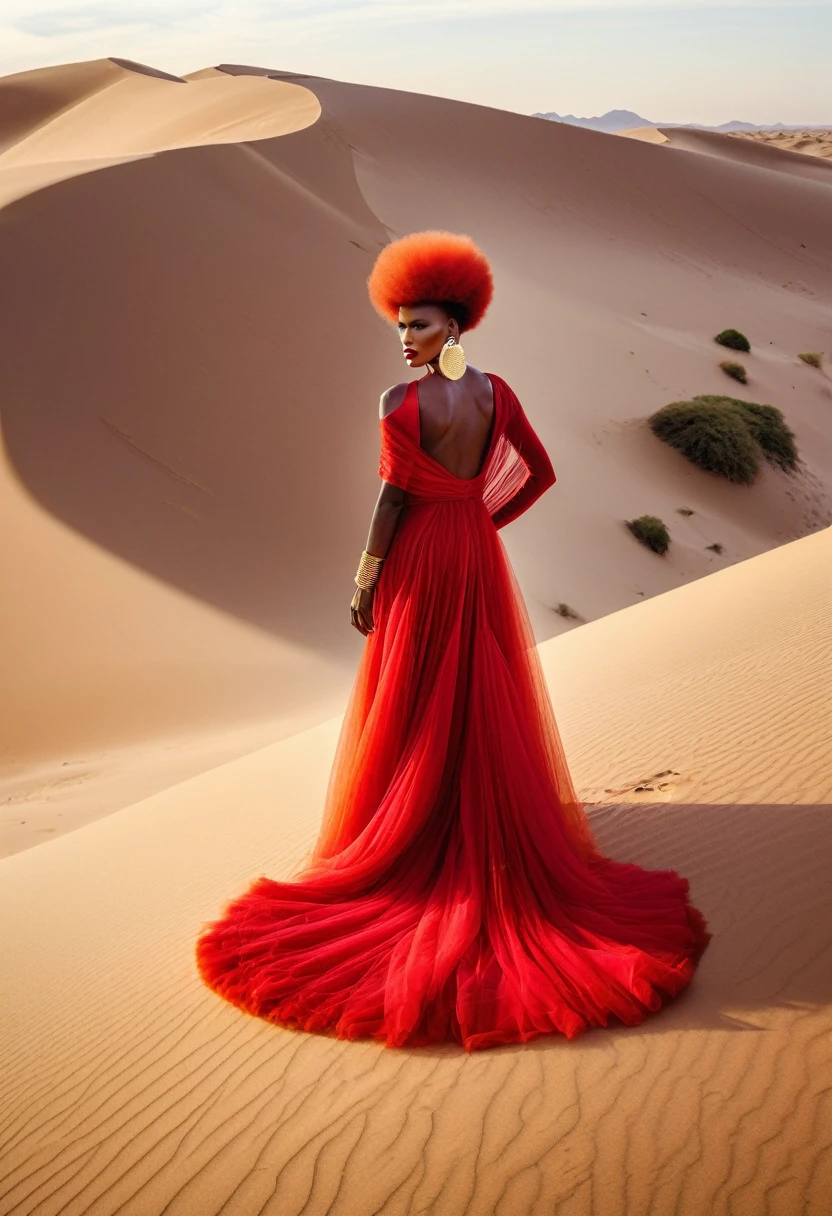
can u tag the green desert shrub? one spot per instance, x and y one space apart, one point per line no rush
812 357
767 426
734 339
725 435
684 511
714 437
650 530
734 369
564 610
716 546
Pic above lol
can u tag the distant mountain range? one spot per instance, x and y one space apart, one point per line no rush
622 120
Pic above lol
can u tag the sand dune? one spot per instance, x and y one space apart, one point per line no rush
190 441
192 373
32 98
764 149
649 135
138 1091
120 110
810 141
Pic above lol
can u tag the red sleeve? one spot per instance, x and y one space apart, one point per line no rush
524 440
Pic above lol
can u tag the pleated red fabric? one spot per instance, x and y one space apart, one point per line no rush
455 891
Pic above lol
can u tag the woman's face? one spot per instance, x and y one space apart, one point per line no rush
423 331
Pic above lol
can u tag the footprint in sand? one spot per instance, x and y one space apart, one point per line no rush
665 786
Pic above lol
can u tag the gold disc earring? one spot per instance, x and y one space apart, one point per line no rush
452 359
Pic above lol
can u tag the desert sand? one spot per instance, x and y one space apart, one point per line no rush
768 149
812 141
190 444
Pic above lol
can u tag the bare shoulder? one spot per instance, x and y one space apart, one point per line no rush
483 385
483 381
391 399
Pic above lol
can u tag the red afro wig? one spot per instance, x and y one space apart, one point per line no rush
435 266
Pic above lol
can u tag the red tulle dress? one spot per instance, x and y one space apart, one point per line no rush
455 891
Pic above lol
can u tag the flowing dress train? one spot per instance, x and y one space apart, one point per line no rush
455 891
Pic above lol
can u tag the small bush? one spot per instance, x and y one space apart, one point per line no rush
714 437
734 369
734 339
766 425
717 547
684 511
650 530
565 610
812 357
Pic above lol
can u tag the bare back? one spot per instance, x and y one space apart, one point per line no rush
455 418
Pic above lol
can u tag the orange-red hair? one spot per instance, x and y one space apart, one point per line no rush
437 266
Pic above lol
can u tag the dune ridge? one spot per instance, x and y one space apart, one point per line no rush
119 110
810 141
30 99
753 152
806 156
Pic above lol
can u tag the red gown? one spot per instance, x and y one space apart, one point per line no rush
455 890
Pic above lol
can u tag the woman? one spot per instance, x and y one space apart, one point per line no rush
455 890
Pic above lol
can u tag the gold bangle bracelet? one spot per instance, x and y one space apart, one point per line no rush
369 568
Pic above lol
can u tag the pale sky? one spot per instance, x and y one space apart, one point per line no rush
669 60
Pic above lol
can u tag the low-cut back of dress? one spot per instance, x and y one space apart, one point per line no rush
455 890
407 417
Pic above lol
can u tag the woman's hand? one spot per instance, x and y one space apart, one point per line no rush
361 610
387 516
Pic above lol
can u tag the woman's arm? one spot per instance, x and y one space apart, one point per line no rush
524 440
387 515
